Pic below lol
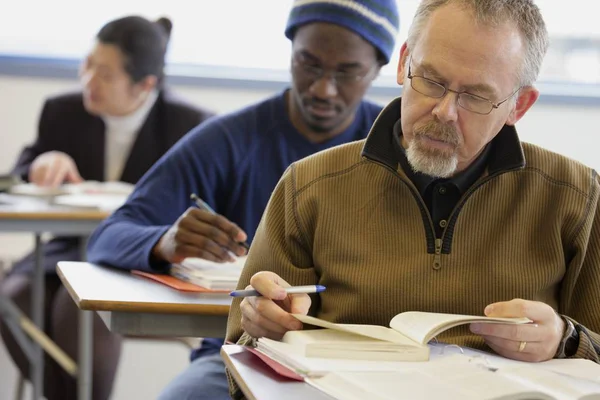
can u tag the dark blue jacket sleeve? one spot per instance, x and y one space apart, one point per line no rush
198 163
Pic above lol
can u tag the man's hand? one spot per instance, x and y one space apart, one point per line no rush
535 342
268 315
54 168
198 233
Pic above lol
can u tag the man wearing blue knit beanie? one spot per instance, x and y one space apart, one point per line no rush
234 161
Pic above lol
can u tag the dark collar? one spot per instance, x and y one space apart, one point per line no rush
505 151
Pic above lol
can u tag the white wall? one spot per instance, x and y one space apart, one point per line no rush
570 130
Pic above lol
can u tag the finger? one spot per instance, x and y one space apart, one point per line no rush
516 355
56 175
257 325
36 175
73 174
533 310
528 332
300 303
205 224
50 171
512 346
266 313
230 228
60 176
270 285
183 251
202 244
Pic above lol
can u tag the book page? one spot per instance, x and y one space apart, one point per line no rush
446 379
292 357
421 327
372 331
104 202
201 264
560 386
575 367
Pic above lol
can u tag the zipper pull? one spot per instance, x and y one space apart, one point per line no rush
437 258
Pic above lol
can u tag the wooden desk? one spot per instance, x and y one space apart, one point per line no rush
133 305
39 217
259 382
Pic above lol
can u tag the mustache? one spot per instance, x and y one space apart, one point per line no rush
438 131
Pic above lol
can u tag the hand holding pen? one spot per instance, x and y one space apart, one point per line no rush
268 315
201 204
200 232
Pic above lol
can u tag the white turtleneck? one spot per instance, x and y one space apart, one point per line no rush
120 135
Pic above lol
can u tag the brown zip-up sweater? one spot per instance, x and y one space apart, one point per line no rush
349 218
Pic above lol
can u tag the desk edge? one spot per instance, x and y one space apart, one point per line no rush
234 372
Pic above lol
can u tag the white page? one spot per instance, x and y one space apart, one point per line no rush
293 358
423 326
372 331
104 202
385 385
442 380
576 367
562 387
201 264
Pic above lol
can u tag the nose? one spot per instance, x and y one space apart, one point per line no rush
324 87
446 109
88 79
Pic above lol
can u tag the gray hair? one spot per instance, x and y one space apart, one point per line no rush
523 13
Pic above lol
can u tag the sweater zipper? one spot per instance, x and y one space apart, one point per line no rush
439 244
437 258
446 240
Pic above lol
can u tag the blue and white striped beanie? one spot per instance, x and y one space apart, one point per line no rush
377 21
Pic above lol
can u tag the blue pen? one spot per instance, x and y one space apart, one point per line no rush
201 204
289 290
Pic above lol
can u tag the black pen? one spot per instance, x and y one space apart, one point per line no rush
201 204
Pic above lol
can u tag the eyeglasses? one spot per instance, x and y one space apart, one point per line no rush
316 72
468 101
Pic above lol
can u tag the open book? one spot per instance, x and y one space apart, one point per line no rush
405 340
458 377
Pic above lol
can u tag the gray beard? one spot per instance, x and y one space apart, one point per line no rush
431 162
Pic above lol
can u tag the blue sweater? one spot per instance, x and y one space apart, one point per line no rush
233 162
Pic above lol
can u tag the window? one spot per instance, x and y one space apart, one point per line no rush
243 37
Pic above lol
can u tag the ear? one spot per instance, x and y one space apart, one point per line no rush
527 96
147 84
401 73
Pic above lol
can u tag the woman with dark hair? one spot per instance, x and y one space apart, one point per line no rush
114 129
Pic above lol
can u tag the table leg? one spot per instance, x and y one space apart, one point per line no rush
37 312
86 333
84 383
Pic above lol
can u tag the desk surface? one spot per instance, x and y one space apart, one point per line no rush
97 288
12 208
258 381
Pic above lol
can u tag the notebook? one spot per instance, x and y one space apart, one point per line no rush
405 340
209 274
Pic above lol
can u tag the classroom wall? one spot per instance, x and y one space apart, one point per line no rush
147 366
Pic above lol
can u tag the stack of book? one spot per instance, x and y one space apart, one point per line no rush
209 274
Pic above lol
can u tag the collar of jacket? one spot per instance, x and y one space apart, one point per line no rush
506 152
